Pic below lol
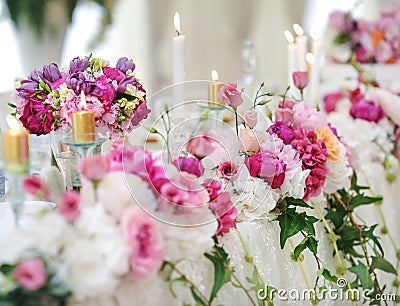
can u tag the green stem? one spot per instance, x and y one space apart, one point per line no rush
236 121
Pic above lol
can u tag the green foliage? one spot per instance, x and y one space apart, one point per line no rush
292 222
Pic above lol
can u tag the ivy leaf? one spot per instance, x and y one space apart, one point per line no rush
296 202
336 216
290 223
196 297
370 234
219 258
312 244
326 273
382 264
363 275
300 248
354 185
362 200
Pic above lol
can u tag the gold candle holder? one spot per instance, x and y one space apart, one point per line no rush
15 147
213 89
83 126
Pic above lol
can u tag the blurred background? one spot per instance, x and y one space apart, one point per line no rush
218 34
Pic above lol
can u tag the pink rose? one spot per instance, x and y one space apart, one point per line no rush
36 187
330 100
251 140
250 118
300 79
68 205
228 171
229 94
30 274
144 239
94 167
202 145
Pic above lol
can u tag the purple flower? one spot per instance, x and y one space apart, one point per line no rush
141 113
78 82
124 64
282 131
366 110
78 65
27 88
51 73
122 85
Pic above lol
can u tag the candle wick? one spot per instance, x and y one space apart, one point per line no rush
177 32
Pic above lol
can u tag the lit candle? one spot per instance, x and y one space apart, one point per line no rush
83 123
309 93
301 41
179 57
15 147
213 89
316 73
291 57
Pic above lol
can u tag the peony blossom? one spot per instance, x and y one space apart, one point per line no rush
94 168
36 187
68 205
367 110
144 238
300 79
307 118
30 274
202 145
230 94
284 132
268 166
228 171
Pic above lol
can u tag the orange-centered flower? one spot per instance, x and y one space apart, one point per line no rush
331 142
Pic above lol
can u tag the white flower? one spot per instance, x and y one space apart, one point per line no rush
295 186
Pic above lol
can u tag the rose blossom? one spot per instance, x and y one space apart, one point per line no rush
250 118
228 171
367 110
30 274
251 140
300 79
94 167
144 239
36 187
201 145
331 142
230 94
268 166
330 100
68 205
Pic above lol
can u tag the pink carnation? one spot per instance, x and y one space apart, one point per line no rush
68 205
30 274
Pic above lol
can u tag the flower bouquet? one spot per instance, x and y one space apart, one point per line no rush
370 42
45 100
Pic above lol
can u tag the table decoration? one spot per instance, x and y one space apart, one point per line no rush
302 46
232 216
370 42
179 61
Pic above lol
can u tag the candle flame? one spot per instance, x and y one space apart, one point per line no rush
177 23
83 100
310 58
289 36
214 75
298 29
314 34
12 122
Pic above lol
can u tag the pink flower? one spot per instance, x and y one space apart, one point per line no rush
36 187
337 20
300 79
268 166
94 167
355 95
284 115
250 118
190 165
225 213
367 110
144 239
172 194
282 131
105 91
213 187
330 100
251 140
68 205
307 118
228 171
113 74
30 274
202 145
230 94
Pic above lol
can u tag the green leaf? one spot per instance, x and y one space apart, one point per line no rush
370 234
382 264
326 273
11 105
296 202
336 216
126 96
362 200
290 223
254 279
363 275
312 244
196 297
6 269
300 248
263 102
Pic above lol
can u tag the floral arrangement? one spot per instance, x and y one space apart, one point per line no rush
45 100
175 221
370 42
